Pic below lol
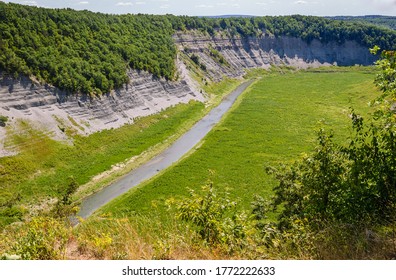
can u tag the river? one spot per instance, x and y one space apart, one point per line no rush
162 161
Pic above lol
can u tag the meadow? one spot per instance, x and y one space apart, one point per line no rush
272 123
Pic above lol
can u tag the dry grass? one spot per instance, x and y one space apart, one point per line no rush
141 238
137 239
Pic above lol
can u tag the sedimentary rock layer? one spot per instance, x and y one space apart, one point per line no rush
244 53
49 109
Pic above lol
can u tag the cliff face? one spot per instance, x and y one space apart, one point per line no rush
241 54
50 109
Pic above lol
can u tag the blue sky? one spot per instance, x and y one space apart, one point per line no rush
226 7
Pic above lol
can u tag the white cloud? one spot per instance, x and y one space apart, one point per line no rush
261 3
124 4
83 3
383 1
301 2
164 7
141 3
204 6
382 5
31 3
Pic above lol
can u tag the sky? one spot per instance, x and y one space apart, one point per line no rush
226 7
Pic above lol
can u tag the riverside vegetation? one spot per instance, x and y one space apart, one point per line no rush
336 202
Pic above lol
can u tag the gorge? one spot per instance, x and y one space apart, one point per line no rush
48 107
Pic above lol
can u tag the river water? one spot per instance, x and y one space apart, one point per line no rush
179 148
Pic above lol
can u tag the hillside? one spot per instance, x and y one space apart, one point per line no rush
90 52
96 71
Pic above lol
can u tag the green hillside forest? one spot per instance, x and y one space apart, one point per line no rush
384 21
85 52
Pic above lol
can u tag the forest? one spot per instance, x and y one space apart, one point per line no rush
86 52
385 21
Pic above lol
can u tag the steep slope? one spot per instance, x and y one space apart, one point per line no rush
231 56
50 109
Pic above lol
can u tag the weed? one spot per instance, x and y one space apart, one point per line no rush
43 238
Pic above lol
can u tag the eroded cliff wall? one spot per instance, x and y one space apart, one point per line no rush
241 54
49 109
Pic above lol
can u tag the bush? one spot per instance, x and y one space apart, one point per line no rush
3 121
43 238
215 217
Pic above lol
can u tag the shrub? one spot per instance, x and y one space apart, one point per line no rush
43 238
215 217
3 121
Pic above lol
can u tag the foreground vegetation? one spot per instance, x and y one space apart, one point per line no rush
85 52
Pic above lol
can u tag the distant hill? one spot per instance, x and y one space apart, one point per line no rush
231 16
385 21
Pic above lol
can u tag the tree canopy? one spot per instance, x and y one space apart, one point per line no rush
385 21
83 51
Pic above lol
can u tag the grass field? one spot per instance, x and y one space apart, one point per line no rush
272 123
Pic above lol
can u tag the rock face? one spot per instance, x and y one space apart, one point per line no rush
50 109
241 54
